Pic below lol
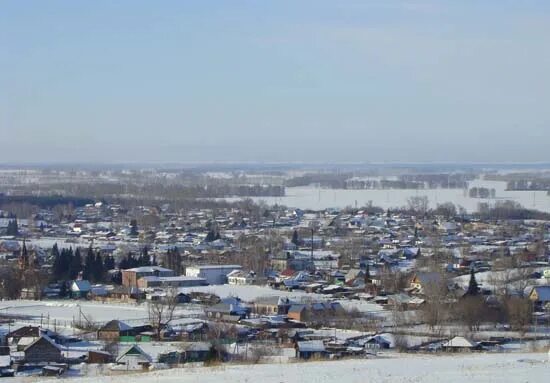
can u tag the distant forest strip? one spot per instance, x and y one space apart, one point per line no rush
156 190
408 181
509 210
529 185
44 201
523 181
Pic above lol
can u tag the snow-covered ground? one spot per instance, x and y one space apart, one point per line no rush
487 279
65 311
250 293
527 367
312 197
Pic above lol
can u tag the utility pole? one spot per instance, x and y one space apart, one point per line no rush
312 230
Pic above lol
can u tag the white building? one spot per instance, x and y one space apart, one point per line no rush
213 274
240 277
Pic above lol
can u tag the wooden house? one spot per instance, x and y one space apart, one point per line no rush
99 357
113 330
315 312
271 305
134 358
540 296
423 280
44 349
80 288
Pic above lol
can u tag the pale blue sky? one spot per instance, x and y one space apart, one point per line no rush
331 81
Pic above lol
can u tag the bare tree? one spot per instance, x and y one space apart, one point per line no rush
418 204
394 281
401 342
216 334
519 312
471 312
447 210
435 311
253 250
258 352
161 311
10 283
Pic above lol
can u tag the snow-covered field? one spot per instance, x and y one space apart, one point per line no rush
250 293
311 197
65 311
455 368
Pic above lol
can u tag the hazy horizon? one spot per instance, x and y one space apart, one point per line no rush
274 81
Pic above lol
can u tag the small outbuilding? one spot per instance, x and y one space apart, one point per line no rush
459 343
310 349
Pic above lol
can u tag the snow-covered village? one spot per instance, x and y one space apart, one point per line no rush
100 289
274 191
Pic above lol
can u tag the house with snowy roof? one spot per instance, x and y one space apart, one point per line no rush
44 349
310 349
80 288
133 358
114 329
540 296
460 343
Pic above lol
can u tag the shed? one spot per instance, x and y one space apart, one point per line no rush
310 349
459 343
99 357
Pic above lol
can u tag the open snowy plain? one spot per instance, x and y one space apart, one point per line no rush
457 368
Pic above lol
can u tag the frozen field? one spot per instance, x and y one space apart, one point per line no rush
250 293
402 368
65 311
310 197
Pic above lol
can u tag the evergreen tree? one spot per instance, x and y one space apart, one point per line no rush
88 270
367 275
108 263
128 262
24 255
295 238
117 278
173 260
61 267
75 265
57 267
66 262
12 228
473 288
123 264
134 228
63 289
55 250
211 236
144 259
98 270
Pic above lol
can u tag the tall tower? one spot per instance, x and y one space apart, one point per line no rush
24 258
